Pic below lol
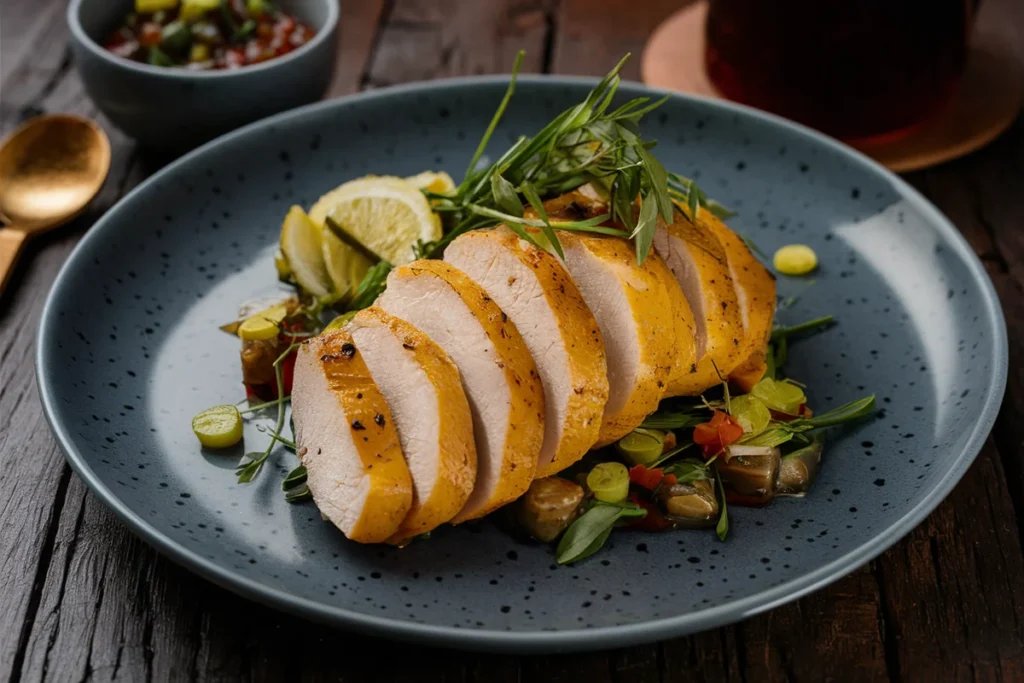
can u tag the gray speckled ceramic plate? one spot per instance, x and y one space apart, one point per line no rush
129 350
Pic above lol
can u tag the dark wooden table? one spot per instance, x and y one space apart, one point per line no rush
81 598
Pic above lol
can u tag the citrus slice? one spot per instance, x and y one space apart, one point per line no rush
345 265
263 325
386 215
302 248
437 182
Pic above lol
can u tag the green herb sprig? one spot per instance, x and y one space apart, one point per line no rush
253 463
781 432
587 143
591 530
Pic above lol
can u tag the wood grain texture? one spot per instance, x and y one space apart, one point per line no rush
358 30
425 39
622 28
83 599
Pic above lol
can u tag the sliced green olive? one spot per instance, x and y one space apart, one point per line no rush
218 427
750 412
641 446
609 482
784 397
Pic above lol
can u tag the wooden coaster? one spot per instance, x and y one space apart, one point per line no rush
986 104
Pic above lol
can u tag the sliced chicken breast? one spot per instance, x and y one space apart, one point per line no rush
634 311
586 202
533 288
498 374
347 441
755 291
700 265
684 351
424 392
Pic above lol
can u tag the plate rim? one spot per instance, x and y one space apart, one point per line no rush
540 641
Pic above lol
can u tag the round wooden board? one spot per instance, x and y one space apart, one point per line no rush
986 104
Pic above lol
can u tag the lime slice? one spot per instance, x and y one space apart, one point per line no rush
263 325
386 215
302 249
609 482
346 266
218 427
437 182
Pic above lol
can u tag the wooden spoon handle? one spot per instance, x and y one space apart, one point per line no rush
11 242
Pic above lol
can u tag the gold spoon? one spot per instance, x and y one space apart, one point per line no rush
50 169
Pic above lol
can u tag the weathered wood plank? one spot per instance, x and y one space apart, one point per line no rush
593 35
841 620
954 590
26 26
425 39
358 30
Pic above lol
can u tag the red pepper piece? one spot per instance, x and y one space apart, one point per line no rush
717 433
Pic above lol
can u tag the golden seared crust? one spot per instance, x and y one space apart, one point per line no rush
684 351
650 309
722 318
756 288
581 338
456 464
373 432
526 418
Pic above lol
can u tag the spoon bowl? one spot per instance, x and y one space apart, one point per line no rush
50 169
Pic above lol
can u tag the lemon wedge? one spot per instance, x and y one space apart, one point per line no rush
346 266
385 214
302 248
437 182
263 325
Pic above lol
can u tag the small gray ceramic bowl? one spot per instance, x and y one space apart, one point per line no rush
176 109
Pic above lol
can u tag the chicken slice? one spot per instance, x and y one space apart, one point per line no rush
684 353
755 291
634 311
700 265
423 389
347 441
539 296
499 377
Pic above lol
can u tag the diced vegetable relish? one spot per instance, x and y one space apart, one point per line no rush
207 34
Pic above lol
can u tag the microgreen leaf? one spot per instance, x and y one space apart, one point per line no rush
505 195
805 328
689 471
645 227
299 494
852 411
722 528
371 287
587 534
530 192
295 478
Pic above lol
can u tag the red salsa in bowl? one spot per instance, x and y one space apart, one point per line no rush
207 34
